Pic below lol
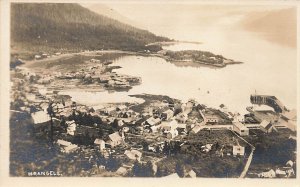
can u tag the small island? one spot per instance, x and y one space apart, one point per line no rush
199 57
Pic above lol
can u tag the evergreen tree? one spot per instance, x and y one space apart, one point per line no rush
159 172
149 169
112 164
136 169
180 169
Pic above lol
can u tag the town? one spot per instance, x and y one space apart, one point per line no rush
161 137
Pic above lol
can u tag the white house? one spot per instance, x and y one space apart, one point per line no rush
290 172
133 154
153 121
168 114
120 123
37 57
267 126
66 146
196 129
110 111
206 148
71 127
121 171
41 120
238 150
181 117
94 60
239 118
268 174
289 163
191 174
154 128
168 126
100 143
125 129
280 173
115 139
171 134
121 108
40 117
240 128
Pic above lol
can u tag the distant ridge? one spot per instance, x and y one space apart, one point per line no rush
72 27
279 26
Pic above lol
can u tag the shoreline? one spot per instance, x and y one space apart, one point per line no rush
167 43
99 53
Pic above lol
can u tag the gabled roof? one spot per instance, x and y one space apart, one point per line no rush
153 121
196 129
121 170
40 117
169 111
289 163
64 143
280 172
240 125
115 137
70 147
122 107
268 174
238 147
133 154
265 124
181 125
98 141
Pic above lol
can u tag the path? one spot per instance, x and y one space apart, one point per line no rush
245 170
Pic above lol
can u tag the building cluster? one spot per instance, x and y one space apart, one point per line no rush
101 74
118 130
286 171
95 72
42 55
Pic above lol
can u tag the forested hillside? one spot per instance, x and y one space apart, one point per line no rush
72 27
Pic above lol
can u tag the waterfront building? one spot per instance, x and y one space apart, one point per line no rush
267 126
240 128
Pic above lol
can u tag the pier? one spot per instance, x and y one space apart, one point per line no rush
268 100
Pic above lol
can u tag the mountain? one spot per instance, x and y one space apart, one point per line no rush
111 13
279 26
72 27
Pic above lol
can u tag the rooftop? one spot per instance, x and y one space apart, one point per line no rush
40 117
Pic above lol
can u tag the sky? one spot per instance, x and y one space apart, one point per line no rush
185 21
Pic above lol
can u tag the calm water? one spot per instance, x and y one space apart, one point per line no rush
267 69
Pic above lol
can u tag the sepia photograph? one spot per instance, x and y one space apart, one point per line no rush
149 89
